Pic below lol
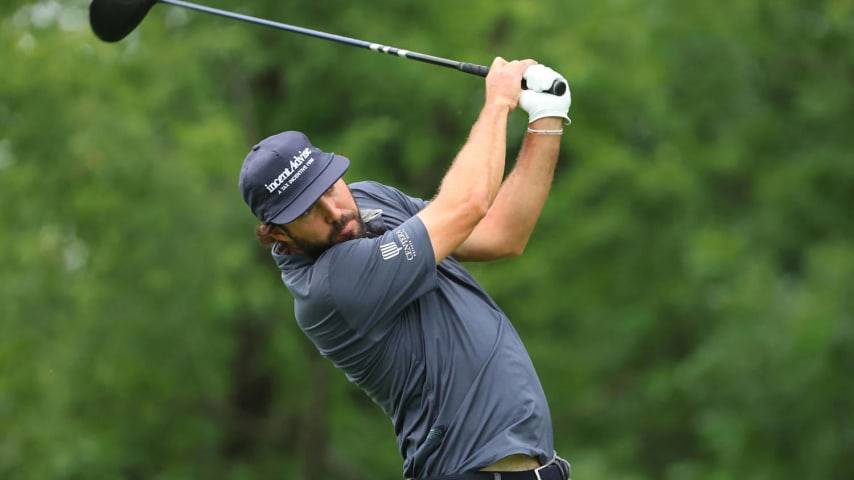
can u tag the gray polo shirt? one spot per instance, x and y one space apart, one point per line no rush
425 342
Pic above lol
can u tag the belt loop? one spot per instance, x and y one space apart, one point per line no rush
537 470
565 467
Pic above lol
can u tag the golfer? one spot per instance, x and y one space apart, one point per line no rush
379 288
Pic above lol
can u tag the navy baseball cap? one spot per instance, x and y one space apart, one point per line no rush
285 174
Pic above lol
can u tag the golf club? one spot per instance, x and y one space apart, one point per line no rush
113 20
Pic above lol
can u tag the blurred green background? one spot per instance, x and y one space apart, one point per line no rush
687 296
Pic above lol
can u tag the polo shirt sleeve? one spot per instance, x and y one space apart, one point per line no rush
373 280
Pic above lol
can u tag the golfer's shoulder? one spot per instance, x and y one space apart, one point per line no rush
370 194
372 189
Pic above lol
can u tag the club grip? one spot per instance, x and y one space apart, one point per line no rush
558 86
474 69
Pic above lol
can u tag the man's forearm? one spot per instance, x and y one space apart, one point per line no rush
508 224
472 182
478 168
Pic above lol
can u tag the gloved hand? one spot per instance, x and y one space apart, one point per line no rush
539 105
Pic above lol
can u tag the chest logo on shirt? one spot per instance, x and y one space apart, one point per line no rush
392 249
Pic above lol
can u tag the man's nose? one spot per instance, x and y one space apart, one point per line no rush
329 209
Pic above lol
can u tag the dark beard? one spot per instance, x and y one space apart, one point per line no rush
315 249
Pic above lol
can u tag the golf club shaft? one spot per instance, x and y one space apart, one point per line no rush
471 68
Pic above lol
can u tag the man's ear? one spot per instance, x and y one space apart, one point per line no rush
279 234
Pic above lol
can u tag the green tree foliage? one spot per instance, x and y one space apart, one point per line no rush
687 294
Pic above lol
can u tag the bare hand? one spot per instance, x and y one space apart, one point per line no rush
504 81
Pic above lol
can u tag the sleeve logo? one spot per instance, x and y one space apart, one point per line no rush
392 249
389 250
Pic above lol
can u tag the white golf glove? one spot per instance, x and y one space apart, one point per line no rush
540 78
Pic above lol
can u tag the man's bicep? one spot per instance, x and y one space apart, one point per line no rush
485 243
476 248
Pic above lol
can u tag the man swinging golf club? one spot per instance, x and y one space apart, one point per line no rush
376 277
379 289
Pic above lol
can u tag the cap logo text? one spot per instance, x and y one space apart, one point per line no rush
295 164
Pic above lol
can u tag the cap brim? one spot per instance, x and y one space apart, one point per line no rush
333 171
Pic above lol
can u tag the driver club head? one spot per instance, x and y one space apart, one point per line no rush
113 20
